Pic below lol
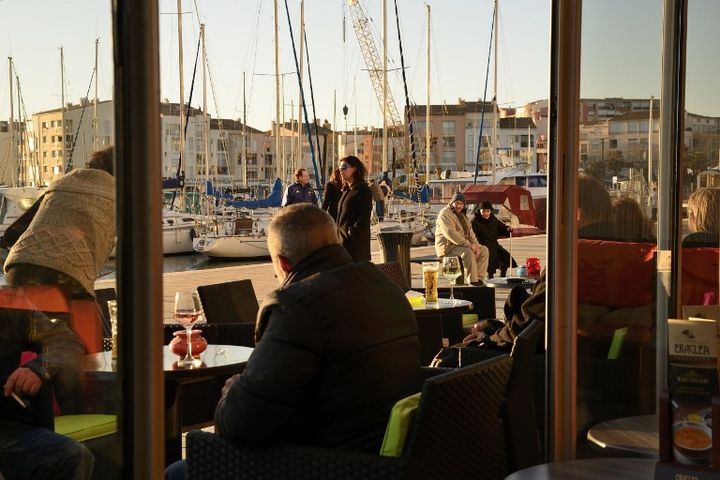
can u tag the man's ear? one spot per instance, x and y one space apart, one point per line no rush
285 264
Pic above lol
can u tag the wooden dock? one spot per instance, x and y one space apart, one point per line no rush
264 281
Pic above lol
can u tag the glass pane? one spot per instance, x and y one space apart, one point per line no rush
701 199
58 224
619 135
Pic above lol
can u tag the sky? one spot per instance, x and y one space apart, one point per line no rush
620 56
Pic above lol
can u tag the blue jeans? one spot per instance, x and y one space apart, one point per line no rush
29 452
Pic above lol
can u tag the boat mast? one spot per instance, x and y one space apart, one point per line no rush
385 90
11 127
494 101
278 159
95 102
206 125
298 159
62 99
650 146
427 103
182 87
244 137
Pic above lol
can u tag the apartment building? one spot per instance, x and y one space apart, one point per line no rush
455 132
323 138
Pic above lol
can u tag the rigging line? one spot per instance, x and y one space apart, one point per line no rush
24 115
482 114
304 107
221 130
68 161
408 109
179 173
312 101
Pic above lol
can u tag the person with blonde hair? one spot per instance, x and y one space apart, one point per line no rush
703 218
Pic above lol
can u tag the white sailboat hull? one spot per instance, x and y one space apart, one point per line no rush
177 240
233 246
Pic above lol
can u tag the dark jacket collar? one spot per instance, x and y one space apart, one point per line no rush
320 260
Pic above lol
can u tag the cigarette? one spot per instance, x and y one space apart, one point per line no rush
19 400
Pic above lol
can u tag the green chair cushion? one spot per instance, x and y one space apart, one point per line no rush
85 427
398 426
469 319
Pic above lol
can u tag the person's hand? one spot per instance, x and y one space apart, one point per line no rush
22 381
476 334
229 382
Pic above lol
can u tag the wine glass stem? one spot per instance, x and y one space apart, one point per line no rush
188 336
452 297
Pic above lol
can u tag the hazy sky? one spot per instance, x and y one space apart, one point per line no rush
621 53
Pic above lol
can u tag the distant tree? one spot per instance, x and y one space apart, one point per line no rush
615 161
596 169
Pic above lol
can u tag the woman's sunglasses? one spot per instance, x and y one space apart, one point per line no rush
344 166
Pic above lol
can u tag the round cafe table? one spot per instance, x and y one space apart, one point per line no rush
590 469
509 282
439 325
629 436
191 394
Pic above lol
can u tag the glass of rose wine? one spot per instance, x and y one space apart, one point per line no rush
188 310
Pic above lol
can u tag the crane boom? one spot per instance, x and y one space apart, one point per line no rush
396 129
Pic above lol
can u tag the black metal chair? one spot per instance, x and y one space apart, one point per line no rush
233 307
448 439
393 270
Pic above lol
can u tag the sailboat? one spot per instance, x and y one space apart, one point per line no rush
239 228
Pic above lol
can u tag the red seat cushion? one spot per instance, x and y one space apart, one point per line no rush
616 274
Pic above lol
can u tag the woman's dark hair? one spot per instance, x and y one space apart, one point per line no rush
103 160
336 178
360 170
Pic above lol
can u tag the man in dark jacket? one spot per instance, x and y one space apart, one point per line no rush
337 346
29 449
301 191
487 229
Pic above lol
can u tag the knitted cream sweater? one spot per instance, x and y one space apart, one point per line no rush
74 229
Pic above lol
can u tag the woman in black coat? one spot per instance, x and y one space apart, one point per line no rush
353 216
487 229
332 193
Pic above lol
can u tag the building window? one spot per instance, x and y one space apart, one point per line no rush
44 139
448 128
44 125
59 123
613 143
448 142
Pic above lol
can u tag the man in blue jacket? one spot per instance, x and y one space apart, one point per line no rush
301 191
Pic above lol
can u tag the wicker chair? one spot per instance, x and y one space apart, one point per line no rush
394 271
233 307
448 440
525 393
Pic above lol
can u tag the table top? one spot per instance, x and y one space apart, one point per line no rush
630 435
444 305
215 357
590 469
510 282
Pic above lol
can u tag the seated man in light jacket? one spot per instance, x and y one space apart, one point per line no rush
454 237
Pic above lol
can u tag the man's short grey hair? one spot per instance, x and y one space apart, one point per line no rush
298 230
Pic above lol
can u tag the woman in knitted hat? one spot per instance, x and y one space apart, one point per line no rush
487 229
454 236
